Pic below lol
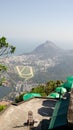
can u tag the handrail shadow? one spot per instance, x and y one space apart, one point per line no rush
45 111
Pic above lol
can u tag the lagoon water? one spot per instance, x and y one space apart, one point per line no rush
4 91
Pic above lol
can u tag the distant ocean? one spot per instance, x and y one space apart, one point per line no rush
23 47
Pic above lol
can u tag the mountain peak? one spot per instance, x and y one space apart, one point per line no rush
50 44
46 46
47 49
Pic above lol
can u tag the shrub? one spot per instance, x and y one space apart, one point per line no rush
2 107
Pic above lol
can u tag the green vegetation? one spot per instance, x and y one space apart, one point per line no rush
39 89
5 50
5 47
26 70
46 89
2 107
19 98
43 90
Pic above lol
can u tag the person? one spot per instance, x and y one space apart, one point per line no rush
30 120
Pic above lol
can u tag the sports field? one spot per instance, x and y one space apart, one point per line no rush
25 71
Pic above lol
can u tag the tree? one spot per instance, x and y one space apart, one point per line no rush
5 50
5 47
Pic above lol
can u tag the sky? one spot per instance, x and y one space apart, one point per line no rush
28 23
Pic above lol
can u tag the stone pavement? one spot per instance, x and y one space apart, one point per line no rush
15 116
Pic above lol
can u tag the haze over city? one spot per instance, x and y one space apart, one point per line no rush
28 23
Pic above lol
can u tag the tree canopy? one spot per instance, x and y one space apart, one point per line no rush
5 47
5 50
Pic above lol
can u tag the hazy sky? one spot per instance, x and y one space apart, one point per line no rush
28 22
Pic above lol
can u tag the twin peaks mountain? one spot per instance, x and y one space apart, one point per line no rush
48 48
51 62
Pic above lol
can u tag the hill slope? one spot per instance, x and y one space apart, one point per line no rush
47 49
48 61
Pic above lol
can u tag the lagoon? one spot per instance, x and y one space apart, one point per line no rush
4 91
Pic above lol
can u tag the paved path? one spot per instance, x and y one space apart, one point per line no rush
15 116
